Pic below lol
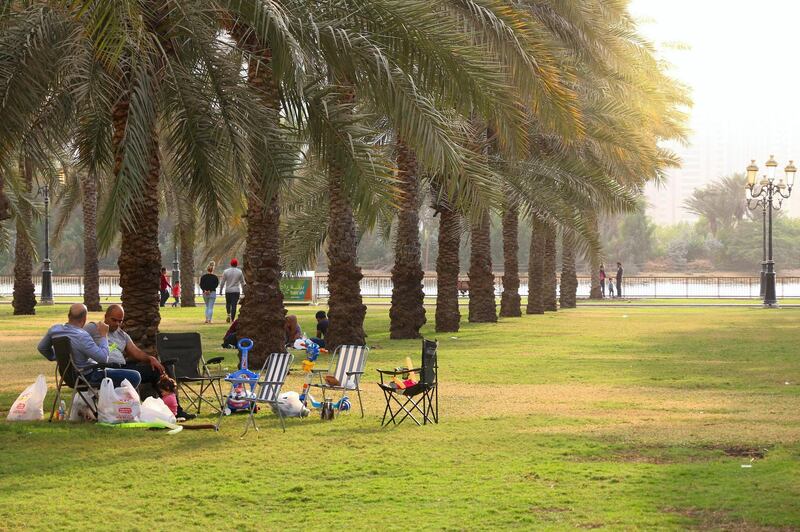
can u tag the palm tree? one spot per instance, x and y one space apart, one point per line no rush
510 301
186 236
407 313
448 315
549 276
569 278
536 268
91 271
24 298
482 307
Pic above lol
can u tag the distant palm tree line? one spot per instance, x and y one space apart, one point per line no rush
296 125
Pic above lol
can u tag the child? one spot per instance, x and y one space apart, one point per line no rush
176 293
610 287
167 390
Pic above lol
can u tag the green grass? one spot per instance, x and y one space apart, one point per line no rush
592 418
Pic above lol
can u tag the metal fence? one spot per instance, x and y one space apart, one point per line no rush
377 286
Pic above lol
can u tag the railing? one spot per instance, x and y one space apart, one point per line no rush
380 286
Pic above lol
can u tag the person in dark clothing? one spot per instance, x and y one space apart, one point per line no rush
164 286
619 279
322 328
231 337
208 284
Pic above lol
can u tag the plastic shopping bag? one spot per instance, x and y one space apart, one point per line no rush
154 409
118 405
290 405
81 410
28 406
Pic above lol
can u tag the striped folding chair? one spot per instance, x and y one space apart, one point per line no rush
268 387
346 369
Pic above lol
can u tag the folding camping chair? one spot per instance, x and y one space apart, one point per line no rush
184 351
425 392
265 388
347 366
68 375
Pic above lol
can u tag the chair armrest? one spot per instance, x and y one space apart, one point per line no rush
393 372
169 362
354 372
215 360
319 371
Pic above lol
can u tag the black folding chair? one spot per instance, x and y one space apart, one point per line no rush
422 397
184 353
68 375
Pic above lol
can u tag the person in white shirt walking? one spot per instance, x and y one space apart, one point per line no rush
232 285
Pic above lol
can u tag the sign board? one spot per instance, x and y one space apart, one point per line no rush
298 288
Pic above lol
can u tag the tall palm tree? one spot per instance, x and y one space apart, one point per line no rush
510 300
407 313
186 237
24 297
448 316
536 268
549 276
569 278
91 270
482 306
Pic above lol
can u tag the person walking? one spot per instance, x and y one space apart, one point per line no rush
164 287
619 279
208 284
232 284
602 281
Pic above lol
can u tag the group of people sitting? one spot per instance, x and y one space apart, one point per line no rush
103 349
291 331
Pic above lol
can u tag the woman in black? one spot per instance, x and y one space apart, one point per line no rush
208 284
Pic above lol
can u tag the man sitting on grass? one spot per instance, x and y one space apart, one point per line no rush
123 352
87 353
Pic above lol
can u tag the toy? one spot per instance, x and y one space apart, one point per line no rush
409 380
238 397
308 365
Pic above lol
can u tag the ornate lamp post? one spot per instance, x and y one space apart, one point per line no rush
176 271
767 194
47 274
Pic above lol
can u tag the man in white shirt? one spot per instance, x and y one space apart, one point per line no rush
232 285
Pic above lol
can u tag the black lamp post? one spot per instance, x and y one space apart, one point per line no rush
176 272
47 274
769 195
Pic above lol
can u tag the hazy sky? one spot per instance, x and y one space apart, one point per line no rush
743 67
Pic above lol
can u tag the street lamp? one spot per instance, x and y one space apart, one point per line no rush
766 194
176 271
47 274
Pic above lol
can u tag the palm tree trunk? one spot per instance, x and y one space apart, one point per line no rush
347 311
263 313
5 204
448 316
550 277
407 313
91 272
186 233
24 300
569 278
536 269
595 291
510 301
482 307
140 258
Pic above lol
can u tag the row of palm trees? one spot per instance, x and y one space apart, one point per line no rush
292 125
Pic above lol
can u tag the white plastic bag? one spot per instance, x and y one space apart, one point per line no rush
81 409
290 405
154 409
29 404
118 405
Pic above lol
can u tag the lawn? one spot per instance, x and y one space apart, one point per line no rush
605 417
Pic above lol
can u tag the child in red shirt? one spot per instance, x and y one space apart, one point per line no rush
176 293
